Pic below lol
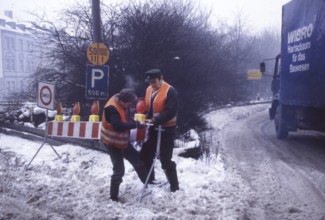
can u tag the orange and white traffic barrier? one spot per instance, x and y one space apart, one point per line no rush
84 129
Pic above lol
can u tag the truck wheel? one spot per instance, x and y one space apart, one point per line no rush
280 125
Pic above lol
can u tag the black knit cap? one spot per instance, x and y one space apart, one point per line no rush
153 74
127 95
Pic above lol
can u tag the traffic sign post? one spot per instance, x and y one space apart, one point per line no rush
98 53
97 82
45 99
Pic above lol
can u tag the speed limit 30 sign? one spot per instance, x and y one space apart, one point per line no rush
45 97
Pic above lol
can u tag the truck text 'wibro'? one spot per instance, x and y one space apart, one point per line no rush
298 83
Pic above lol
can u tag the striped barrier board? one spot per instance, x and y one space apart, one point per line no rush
83 129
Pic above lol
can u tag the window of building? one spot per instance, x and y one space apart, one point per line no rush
21 42
32 65
29 65
21 62
12 65
8 86
30 46
13 85
12 43
28 69
7 64
22 86
6 43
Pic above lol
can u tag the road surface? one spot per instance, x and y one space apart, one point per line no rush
285 178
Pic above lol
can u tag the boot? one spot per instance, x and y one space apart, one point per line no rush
172 179
142 173
114 191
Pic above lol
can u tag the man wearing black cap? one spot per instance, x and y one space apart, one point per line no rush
115 133
161 107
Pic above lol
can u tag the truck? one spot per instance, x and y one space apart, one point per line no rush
298 80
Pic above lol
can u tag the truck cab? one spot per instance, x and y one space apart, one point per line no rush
276 110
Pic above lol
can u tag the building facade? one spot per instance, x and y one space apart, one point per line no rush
18 55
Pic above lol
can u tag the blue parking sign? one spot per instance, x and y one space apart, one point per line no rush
97 82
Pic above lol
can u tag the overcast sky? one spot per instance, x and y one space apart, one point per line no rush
259 13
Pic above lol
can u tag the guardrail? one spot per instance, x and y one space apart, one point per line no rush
6 106
10 103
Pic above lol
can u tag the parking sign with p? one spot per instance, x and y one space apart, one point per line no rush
97 82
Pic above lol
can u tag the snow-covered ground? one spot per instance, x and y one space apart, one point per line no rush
77 185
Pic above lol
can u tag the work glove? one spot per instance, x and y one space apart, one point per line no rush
150 122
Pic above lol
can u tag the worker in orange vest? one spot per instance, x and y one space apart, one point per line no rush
161 109
115 134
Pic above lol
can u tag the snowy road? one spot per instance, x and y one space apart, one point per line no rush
286 178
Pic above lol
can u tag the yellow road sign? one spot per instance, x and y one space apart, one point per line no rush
254 74
98 54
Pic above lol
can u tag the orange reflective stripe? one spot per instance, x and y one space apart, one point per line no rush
113 133
119 144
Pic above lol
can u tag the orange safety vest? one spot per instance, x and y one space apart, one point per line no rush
119 139
159 102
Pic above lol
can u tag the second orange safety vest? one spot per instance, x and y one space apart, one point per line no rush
159 102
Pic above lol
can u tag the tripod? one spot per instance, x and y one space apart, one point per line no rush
154 162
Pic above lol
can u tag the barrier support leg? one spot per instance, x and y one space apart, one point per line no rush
45 142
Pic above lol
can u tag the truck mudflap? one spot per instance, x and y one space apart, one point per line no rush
272 110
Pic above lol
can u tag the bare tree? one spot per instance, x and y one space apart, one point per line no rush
177 38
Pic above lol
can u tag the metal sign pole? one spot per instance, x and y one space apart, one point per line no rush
45 141
154 162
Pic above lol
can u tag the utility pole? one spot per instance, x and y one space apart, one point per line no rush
96 21
97 74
